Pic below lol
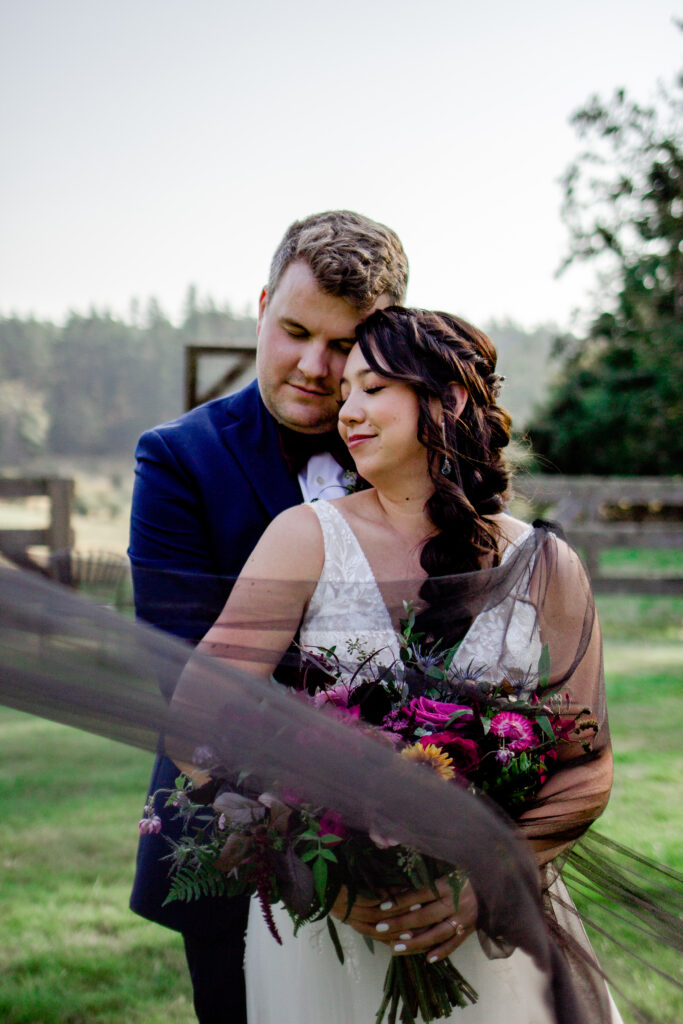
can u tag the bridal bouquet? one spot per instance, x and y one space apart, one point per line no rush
497 736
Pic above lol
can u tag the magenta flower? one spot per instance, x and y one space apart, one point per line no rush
516 729
150 826
436 712
463 752
331 824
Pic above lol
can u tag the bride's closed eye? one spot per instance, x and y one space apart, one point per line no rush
374 389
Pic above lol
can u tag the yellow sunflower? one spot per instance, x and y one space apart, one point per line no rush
431 755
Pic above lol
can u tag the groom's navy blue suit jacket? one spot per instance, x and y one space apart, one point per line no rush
207 486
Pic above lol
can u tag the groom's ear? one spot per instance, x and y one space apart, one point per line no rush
262 303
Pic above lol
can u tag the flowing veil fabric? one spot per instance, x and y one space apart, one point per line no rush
74 662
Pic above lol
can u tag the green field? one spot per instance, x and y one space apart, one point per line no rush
71 951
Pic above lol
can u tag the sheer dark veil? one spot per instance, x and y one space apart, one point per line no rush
86 666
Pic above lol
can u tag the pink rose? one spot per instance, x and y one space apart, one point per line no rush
339 695
436 712
337 698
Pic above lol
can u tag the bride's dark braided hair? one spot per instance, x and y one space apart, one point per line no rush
431 352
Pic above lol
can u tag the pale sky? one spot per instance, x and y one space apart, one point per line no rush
152 144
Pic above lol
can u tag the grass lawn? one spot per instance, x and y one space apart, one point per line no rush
72 953
643 638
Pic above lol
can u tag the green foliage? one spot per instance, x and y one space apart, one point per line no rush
188 884
92 386
617 404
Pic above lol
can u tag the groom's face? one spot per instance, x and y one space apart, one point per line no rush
304 337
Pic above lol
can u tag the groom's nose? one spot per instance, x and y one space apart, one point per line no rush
314 362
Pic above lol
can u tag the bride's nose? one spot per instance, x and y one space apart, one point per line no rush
350 411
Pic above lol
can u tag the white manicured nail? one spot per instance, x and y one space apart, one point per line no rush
387 905
382 927
432 959
406 935
415 906
400 947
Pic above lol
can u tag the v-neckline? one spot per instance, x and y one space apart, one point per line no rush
512 545
518 540
365 561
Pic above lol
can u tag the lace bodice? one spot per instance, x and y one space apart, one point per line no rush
366 619
504 638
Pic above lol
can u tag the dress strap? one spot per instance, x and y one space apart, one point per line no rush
344 557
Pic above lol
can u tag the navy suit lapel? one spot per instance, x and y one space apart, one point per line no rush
253 440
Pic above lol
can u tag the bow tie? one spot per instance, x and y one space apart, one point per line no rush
298 448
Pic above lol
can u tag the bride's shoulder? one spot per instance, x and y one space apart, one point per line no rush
291 546
299 523
556 551
511 528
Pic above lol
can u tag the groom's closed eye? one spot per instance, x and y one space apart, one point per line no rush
343 345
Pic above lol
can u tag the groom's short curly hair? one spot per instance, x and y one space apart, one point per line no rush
351 257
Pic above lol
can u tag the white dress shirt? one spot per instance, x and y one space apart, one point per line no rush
323 477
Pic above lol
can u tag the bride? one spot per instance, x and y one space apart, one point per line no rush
420 418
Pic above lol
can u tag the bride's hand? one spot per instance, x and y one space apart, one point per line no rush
416 921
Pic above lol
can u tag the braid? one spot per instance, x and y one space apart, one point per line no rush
432 352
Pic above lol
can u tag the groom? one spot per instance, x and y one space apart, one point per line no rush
208 484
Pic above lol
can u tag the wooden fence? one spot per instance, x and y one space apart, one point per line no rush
57 535
598 513
102 574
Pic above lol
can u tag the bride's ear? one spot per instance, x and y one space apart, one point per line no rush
460 396
460 401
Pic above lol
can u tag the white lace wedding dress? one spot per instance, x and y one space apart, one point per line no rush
302 981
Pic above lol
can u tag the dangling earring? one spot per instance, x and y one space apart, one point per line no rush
446 468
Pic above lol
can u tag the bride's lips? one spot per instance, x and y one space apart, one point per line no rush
353 440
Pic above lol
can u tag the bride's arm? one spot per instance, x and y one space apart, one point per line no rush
267 603
578 788
262 614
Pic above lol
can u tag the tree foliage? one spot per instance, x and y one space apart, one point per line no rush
617 404
92 386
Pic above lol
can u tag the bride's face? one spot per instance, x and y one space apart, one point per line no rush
378 421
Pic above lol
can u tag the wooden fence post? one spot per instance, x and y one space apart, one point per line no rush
60 535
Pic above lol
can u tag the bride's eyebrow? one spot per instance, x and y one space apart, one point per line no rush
359 375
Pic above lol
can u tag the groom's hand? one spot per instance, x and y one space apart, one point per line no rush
415 921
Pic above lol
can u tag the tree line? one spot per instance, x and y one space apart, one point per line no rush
608 402
91 386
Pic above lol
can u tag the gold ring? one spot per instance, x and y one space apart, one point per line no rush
458 929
